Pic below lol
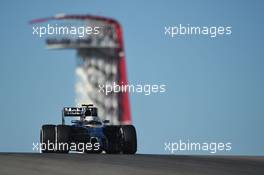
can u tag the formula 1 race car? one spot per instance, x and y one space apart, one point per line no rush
87 134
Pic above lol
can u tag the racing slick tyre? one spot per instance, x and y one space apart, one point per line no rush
129 138
47 138
63 138
113 139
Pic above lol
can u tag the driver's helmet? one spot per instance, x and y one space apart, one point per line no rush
92 121
90 116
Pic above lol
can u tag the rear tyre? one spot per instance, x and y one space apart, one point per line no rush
63 138
113 139
129 138
47 138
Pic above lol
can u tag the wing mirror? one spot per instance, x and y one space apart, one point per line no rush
75 121
106 121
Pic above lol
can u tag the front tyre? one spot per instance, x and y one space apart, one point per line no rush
129 138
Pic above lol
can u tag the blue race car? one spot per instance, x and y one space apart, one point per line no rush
87 134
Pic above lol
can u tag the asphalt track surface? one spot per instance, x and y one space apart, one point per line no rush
75 164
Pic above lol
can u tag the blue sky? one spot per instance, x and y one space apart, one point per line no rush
214 86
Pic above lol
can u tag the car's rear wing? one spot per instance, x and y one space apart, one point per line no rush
73 111
85 110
